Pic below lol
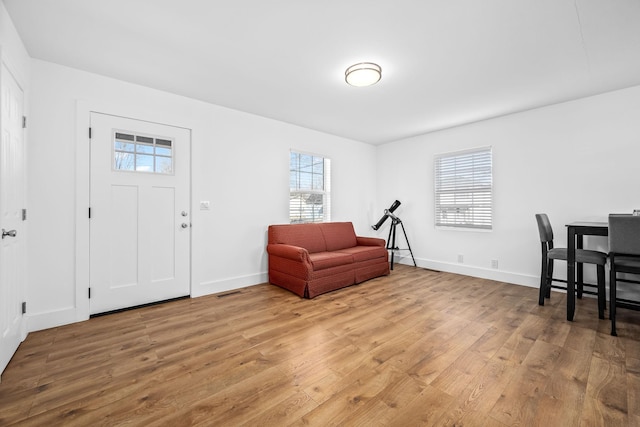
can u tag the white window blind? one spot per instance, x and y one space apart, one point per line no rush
464 189
309 188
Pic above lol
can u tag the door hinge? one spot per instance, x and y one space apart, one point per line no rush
89 293
89 213
24 122
89 133
24 307
24 214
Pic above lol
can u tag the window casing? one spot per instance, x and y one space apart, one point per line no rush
464 189
309 188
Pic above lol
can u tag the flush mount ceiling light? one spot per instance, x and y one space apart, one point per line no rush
363 74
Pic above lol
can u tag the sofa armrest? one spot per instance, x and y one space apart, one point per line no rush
295 253
370 241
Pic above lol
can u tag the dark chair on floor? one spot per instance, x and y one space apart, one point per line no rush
624 255
583 256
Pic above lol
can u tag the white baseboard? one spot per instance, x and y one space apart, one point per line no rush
40 321
65 316
229 284
468 270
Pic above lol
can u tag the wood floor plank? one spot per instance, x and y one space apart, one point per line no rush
360 387
633 384
483 391
568 381
555 412
284 413
425 409
389 402
455 378
606 393
417 347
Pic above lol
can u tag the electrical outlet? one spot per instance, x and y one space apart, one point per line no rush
205 205
494 263
460 258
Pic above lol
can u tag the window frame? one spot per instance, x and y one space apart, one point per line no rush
156 150
297 216
465 178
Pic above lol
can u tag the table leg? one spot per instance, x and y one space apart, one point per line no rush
579 277
571 271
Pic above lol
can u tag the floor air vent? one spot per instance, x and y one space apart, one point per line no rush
229 294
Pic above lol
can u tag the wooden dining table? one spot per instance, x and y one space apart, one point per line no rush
575 233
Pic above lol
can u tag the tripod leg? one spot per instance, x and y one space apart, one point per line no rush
389 244
408 245
392 236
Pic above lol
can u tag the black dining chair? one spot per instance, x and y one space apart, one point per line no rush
624 255
583 256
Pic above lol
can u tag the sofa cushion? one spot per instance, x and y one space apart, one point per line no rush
338 235
322 260
364 253
308 236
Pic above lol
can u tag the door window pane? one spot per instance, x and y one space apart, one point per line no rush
162 151
163 165
143 148
144 163
124 161
124 146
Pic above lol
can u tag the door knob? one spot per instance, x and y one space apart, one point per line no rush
10 233
184 225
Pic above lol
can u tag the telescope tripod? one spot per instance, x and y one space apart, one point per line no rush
391 241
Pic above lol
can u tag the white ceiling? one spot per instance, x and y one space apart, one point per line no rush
444 63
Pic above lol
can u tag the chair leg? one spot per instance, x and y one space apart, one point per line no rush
549 278
543 282
579 280
612 299
602 300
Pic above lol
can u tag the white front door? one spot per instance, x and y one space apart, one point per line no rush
12 249
140 218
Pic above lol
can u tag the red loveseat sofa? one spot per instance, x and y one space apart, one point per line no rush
311 259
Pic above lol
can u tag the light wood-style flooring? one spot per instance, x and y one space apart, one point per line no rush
415 348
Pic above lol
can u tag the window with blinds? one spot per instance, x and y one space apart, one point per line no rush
309 188
464 189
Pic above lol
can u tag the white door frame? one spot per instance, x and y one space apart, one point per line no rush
83 174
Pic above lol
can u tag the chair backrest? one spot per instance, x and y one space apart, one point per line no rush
624 234
544 228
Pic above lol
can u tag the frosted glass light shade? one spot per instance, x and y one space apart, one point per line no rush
363 74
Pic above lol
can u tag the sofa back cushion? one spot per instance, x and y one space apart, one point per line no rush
338 235
308 236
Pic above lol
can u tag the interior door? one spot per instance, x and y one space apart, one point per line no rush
140 218
12 249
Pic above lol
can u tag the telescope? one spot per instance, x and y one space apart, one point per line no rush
391 240
387 213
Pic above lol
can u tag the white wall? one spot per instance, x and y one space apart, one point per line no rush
240 164
575 161
14 54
